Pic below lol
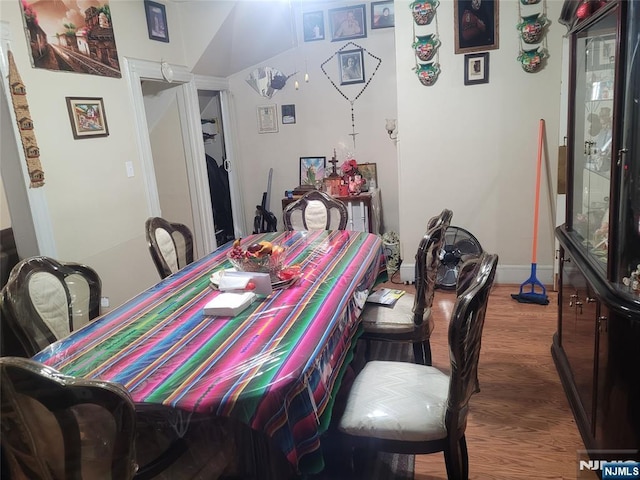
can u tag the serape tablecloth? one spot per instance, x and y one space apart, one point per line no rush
273 367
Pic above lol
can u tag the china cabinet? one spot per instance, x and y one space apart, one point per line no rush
597 345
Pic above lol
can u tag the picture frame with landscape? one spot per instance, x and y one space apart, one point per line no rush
312 170
87 117
369 172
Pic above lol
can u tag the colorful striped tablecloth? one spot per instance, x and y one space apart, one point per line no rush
273 367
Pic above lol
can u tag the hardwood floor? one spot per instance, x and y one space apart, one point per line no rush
520 424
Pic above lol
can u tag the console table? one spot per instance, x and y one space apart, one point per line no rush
364 210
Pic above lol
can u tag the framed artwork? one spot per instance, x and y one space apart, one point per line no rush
267 119
313 26
288 114
476 25
87 117
370 173
382 14
351 66
53 27
156 21
347 23
312 170
476 68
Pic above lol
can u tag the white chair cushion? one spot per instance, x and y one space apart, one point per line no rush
397 401
167 248
50 301
399 319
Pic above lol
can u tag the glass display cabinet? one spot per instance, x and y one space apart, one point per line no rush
597 345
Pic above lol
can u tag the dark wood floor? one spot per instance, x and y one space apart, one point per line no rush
520 424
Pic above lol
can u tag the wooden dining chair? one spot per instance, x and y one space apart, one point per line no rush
44 300
170 244
410 321
55 426
403 407
316 210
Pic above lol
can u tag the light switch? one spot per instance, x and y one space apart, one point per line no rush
129 166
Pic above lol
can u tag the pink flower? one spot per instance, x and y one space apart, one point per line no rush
349 167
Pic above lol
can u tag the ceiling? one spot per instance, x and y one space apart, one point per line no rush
252 33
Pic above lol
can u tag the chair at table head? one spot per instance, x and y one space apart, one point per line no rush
60 427
316 210
45 300
170 244
410 319
408 408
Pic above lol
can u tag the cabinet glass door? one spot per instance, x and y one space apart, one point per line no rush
595 61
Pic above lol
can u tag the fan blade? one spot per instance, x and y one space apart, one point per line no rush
467 246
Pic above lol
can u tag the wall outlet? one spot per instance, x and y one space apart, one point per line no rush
104 302
129 167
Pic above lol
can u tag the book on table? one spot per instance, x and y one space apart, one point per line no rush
385 296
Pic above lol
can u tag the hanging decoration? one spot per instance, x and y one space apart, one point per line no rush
266 80
426 45
353 99
25 125
532 31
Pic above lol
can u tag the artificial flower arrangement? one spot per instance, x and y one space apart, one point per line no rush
352 176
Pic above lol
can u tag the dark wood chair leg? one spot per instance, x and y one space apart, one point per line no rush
422 353
455 458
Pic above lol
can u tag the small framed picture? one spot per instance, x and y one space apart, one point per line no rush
267 119
288 114
476 68
313 26
348 22
312 170
87 117
370 173
476 25
351 66
382 14
156 21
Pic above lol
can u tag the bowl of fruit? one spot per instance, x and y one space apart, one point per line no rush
264 257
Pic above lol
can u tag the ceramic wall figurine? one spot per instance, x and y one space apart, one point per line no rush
426 46
428 73
531 60
424 11
531 28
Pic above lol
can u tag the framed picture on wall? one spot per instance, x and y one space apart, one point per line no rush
87 117
312 170
382 14
267 119
476 68
370 172
348 22
156 21
351 66
288 114
313 26
476 25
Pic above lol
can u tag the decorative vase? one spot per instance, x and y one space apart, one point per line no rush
531 60
531 28
424 10
428 73
426 46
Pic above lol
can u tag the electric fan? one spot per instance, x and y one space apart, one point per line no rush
458 242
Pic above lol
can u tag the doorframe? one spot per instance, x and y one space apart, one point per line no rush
138 70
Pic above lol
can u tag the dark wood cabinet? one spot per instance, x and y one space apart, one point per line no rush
597 345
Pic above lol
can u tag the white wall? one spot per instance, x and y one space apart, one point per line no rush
473 148
323 119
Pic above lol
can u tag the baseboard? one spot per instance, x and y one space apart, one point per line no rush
506 274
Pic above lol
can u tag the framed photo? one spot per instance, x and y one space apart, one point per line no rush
87 117
313 26
312 170
347 23
288 114
370 173
351 66
382 14
476 25
476 68
156 21
267 119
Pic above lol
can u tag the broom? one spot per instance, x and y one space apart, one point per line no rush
530 295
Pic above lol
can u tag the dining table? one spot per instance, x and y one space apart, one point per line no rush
274 367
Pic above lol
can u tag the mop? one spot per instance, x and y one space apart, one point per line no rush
528 293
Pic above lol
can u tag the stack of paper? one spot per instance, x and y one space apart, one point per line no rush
229 304
385 296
